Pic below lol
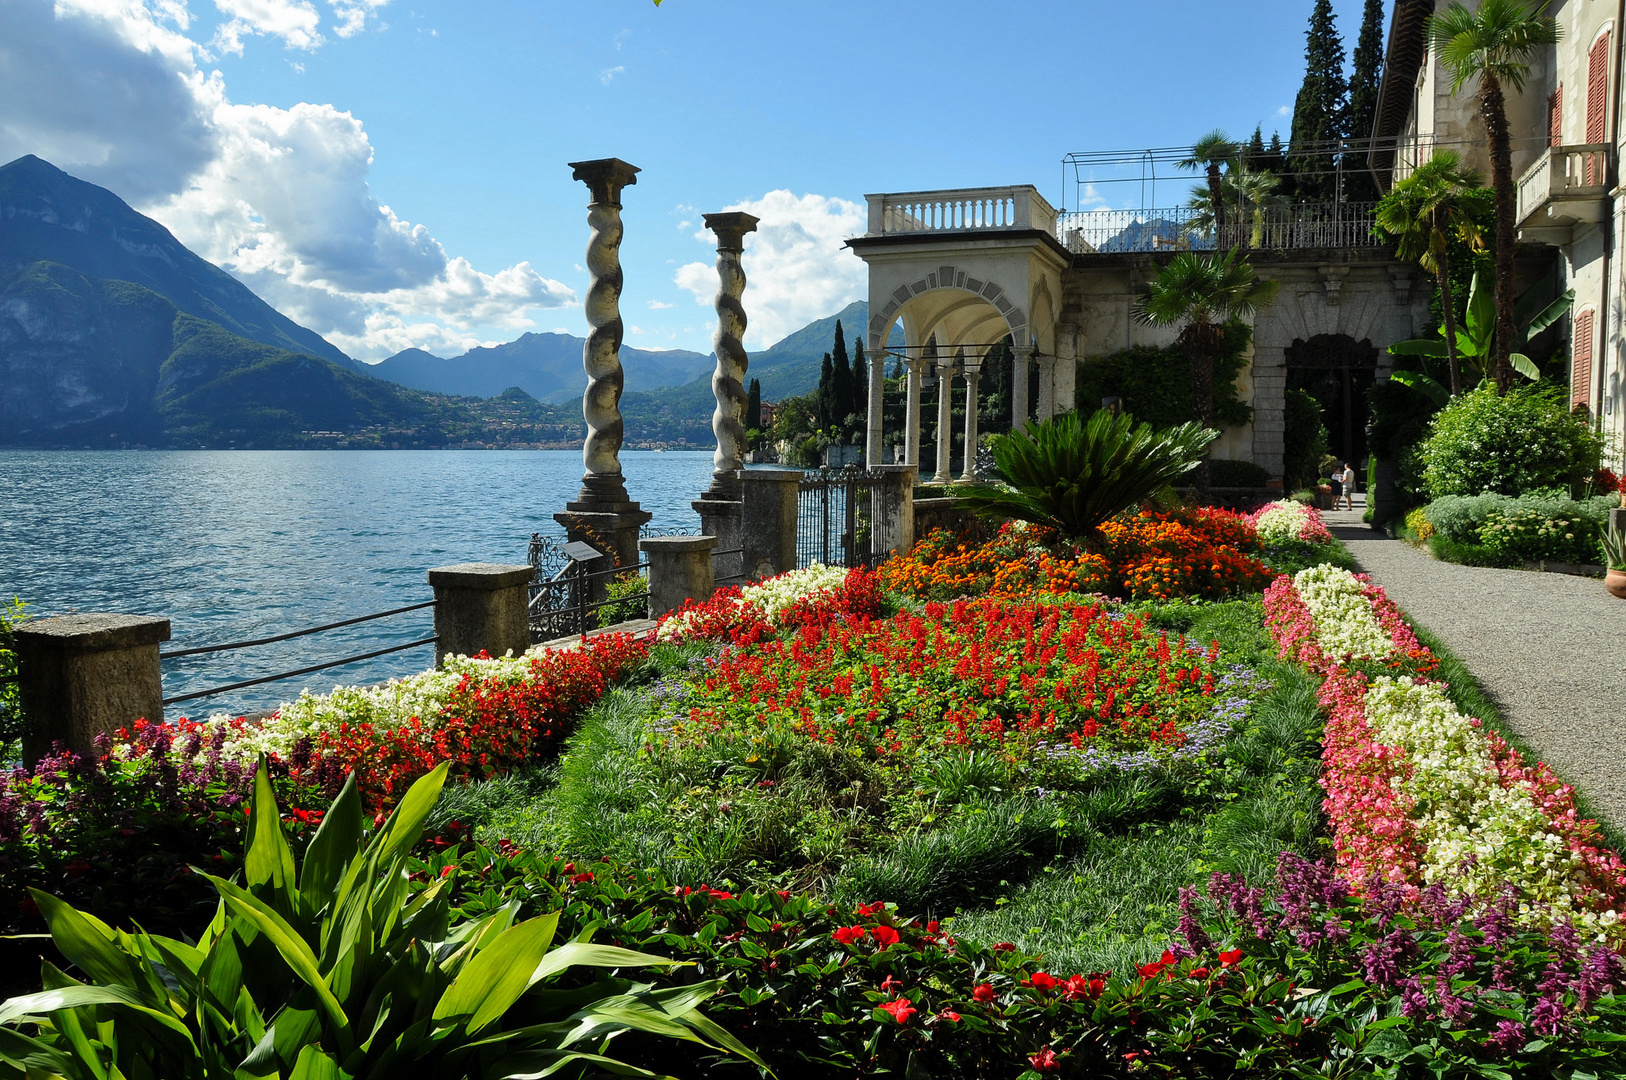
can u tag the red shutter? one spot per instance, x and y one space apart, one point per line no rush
1555 118
1597 90
1581 363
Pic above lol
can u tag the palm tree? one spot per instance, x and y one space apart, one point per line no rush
1496 43
1212 151
1249 192
1205 292
1423 214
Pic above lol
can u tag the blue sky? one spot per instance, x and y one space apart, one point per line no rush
392 172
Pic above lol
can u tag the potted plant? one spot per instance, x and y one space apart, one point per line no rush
1614 557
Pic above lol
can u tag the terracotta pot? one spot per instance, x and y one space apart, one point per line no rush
1615 582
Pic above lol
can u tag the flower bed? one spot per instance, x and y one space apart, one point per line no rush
1148 555
790 599
1286 521
1419 794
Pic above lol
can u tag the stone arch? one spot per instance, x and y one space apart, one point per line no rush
978 291
1337 371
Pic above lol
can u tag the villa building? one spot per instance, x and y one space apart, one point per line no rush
959 271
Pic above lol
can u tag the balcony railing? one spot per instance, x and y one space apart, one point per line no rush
1565 186
1274 228
960 210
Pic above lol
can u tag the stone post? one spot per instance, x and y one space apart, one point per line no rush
911 421
728 381
945 417
968 471
768 522
896 507
1064 378
721 519
679 569
1019 386
602 514
481 607
1047 386
82 675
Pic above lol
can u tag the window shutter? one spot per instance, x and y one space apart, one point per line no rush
1555 118
1597 90
1581 362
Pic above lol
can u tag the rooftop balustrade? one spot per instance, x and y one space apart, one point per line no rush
960 210
1567 186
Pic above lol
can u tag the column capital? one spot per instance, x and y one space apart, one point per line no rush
730 229
606 177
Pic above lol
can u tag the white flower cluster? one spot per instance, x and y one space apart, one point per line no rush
1477 834
385 707
1343 617
769 598
1281 522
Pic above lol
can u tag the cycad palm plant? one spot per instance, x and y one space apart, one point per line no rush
1496 43
1205 292
1424 214
1075 475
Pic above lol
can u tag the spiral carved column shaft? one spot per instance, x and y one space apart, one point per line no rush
728 381
602 483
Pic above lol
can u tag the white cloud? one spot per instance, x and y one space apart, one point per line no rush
280 197
659 305
797 268
294 21
608 74
1284 110
636 330
352 15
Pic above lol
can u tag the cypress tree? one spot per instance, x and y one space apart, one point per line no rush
897 366
841 380
1364 82
860 403
1256 147
825 399
753 406
1320 113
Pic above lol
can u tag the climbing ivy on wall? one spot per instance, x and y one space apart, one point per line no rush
1156 383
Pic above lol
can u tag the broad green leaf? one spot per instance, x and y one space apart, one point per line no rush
1416 380
405 825
87 942
580 953
268 859
1419 347
498 974
315 1065
538 1064
34 1057
67 997
1549 315
335 845
1524 366
293 949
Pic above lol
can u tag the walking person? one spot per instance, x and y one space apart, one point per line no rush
1348 477
1336 482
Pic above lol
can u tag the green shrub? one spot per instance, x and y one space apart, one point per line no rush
1155 384
1304 440
1481 443
11 709
1518 534
1244 474
1461 517
630 595
339 970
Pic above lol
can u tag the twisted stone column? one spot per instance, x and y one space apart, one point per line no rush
602 484
945 418
728 381
968 471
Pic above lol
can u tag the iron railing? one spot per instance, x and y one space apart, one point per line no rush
566 596
728 567
844 517
1297 226
309 669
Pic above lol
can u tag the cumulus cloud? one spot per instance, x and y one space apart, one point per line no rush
294 21
797 268
280 197
659 305
609 74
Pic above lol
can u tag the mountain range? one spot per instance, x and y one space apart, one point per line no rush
113 333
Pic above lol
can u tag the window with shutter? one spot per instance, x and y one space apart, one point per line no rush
1597 90
1581 362
1555 118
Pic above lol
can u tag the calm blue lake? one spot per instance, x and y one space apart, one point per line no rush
235 544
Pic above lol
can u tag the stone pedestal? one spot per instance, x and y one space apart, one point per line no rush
897 512
614 532
680 569
481 607
82 675
720 519
768 521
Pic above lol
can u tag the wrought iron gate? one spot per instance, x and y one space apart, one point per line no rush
846 517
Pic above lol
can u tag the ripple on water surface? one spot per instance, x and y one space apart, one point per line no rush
234 544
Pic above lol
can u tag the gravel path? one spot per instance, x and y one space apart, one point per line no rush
1544 647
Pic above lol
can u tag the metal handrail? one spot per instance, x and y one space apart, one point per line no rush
297 633
298 671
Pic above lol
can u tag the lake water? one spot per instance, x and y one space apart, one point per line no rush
235 544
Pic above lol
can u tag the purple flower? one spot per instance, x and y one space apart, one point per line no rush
1508 1037
1382 959
1413 1001
1455 1011
1190 929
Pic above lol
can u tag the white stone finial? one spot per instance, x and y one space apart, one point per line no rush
602 483
728 380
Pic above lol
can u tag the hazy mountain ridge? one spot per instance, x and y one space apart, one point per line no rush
546 366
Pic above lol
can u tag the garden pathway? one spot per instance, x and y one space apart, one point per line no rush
1545 647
